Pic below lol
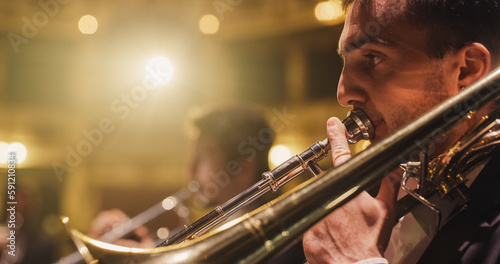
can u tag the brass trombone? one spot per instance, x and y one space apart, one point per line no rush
172 202
260 234
358 127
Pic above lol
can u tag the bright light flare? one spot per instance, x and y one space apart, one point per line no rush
88 25
209 24
4 148
328 10
159 70
279 154
18 148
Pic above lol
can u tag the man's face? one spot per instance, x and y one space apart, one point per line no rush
209 161
387 72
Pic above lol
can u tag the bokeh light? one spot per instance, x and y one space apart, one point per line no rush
17 147
279 154
328 10
88 24
4 148
159 70
209 24
169 203
162 232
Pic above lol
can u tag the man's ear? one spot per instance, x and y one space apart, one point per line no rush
474 61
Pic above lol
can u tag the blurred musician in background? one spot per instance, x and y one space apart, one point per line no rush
106 220
231 149
401 59
228 158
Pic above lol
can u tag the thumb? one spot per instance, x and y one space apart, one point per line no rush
338 142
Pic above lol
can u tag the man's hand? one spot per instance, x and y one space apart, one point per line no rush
106 220
361 228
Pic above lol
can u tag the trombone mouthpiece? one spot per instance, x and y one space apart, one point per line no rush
358 126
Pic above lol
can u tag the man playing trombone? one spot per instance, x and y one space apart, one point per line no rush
401 59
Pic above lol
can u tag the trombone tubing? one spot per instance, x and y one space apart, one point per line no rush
263 233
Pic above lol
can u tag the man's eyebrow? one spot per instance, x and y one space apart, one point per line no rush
357 44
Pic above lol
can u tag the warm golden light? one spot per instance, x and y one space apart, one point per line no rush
159 70
64 219
209 24
18 148
279 154
50 224
4 147
328 10
88 24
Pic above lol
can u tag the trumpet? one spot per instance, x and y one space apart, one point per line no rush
263 232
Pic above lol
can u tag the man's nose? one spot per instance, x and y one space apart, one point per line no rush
350 90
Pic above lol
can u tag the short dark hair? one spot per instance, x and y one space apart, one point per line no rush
232 126
451 24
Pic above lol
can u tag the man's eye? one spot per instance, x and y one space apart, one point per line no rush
373 59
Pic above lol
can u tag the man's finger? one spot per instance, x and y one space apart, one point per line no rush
338 142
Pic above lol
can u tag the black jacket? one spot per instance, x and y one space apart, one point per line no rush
473 236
